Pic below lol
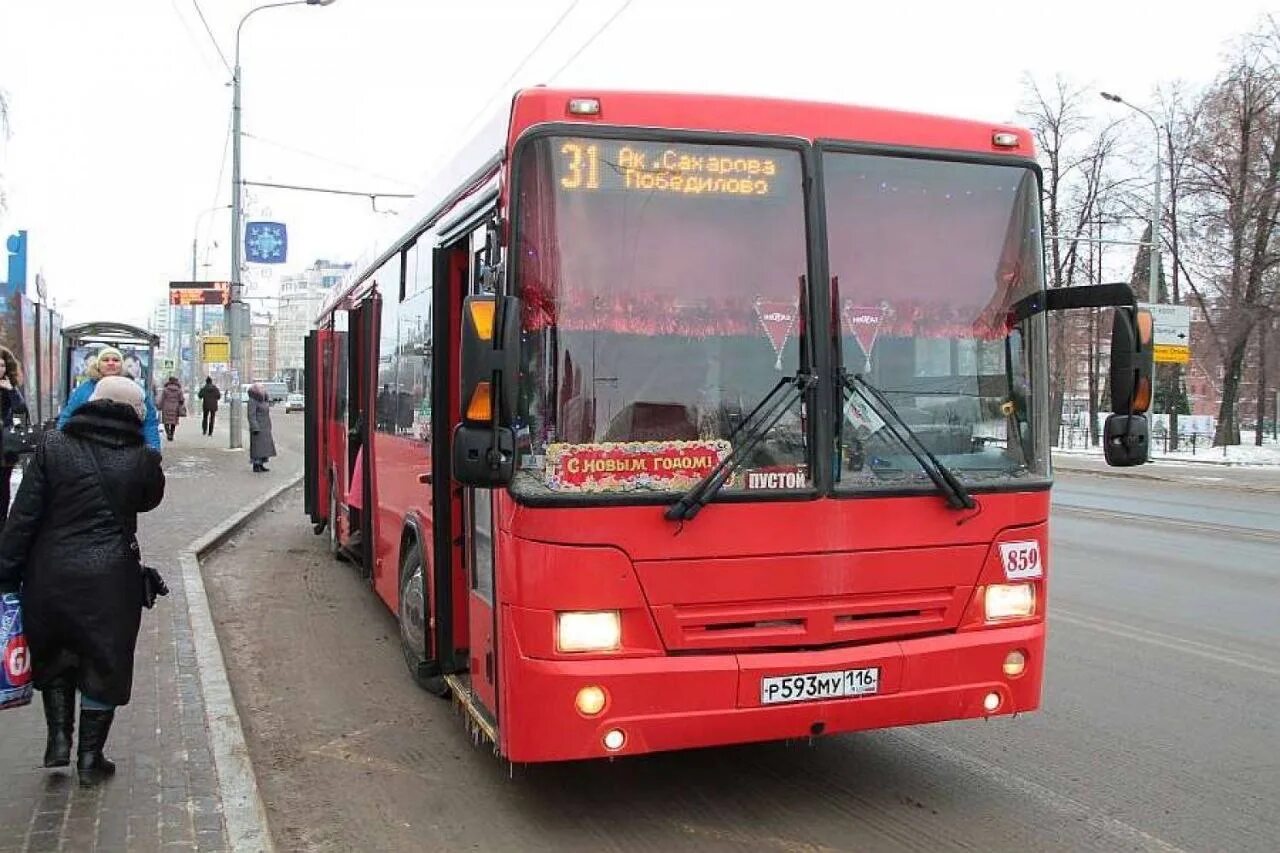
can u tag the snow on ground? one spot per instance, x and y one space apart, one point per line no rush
1240 454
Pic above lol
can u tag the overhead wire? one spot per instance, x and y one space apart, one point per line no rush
217 193
196 41
295 150
589 41
216 46
497 92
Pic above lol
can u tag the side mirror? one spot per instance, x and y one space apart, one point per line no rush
1126 440
1126 434
484 443
1132 361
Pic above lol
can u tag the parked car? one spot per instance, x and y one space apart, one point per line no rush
295 403
277 392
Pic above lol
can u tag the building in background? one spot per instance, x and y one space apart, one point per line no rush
180 329
263 355
301 298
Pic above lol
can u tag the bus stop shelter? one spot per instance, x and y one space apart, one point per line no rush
83 341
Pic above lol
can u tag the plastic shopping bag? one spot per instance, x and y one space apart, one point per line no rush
15 668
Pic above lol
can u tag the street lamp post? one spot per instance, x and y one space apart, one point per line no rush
235 320
1154 285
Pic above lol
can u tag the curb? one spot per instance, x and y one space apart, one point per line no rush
242 808
1133 474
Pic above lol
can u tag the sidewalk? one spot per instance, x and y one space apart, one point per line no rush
1264 479
165 795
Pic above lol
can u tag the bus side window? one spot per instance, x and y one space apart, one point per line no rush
413 354
389 388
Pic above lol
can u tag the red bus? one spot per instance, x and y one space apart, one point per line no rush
670 421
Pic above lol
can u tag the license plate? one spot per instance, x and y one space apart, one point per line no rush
819 685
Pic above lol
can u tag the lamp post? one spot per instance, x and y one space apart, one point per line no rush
235 320
1154 285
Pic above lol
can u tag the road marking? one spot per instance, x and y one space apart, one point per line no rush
751 840
1139 518
1221 654
1130 836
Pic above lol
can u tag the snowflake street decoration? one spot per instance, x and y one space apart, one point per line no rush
265 243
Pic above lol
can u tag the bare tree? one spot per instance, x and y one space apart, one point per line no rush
1073 154
1180 123
1233 178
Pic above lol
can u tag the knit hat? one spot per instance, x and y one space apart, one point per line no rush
92 368
120 389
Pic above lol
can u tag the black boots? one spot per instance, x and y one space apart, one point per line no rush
91 765
59 714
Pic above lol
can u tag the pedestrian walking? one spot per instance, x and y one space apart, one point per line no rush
70 549
12 405
109 362
261 444
172 405
209 396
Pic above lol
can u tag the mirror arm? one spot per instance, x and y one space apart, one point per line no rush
1068 298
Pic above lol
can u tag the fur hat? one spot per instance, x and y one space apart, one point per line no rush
120 389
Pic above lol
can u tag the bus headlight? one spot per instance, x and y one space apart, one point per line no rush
588 631
1009 601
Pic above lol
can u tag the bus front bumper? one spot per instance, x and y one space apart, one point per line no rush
687 701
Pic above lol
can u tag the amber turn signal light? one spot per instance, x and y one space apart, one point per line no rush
482 313
481 406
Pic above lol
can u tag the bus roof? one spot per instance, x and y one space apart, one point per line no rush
476 162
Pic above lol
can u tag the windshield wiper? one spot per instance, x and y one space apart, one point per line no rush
952 489
753 427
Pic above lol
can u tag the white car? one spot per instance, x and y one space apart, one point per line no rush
295 403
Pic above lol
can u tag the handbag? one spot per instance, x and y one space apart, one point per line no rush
15 667
18 440
153 584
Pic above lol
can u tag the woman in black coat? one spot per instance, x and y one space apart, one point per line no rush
79 571
11 405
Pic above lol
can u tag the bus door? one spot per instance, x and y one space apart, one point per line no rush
478 552
362 366
315 450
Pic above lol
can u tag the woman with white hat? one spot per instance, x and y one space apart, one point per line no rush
70 549
110 362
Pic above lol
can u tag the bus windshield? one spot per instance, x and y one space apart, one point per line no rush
927 256
663 286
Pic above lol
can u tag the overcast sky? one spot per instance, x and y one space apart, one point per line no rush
120 109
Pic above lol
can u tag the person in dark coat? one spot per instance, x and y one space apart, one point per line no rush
78 571
261 444
11 405
209 396
172 405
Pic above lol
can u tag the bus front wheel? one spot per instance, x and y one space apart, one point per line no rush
412 614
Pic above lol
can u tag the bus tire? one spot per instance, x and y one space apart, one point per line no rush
411 613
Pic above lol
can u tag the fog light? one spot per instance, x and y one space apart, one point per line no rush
1014 663
991 702
614 739
590 701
